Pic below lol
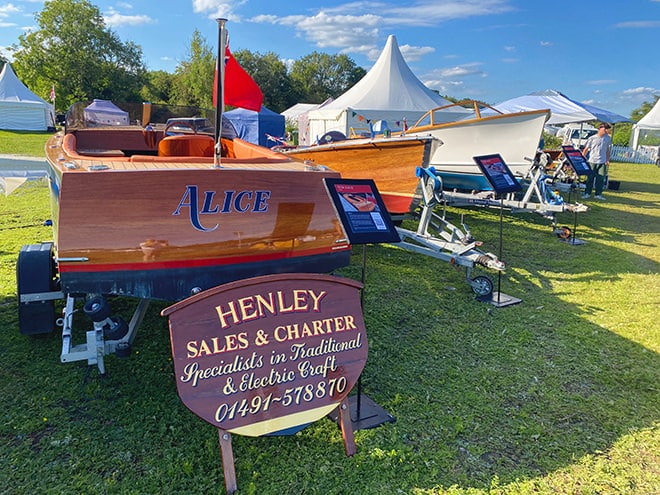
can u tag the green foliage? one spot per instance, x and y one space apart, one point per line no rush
621 133
74 50
192 84
637 114
270 73
556 395
319 76
158 87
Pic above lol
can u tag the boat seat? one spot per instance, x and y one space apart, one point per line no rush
186 145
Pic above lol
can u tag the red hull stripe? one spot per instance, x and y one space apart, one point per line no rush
78 267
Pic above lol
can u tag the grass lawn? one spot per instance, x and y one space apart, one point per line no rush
26 143
556 395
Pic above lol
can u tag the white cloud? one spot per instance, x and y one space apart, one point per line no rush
354 27
8 8
638 24
215 9
641 90
600 82
546 43
114 18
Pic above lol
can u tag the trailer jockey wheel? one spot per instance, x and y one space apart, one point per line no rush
97 308
116 330
482 285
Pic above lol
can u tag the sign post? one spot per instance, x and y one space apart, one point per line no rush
581 167
269 355
502 181
366 221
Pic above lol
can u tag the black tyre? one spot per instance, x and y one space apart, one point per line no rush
482 285
36 274
97 308
117 330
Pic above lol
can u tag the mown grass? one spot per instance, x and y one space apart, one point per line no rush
25 143
558 394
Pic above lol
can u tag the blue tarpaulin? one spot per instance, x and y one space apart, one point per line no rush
255 127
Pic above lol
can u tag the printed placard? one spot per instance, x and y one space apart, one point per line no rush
497 173
362 211
268 354
576 160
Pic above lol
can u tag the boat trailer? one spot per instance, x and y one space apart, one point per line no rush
38 289
447 242
541 194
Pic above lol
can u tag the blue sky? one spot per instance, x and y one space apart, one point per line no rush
601 52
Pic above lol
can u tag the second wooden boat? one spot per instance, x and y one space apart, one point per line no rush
390 161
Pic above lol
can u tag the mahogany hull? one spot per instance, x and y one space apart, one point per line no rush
390 162
161 228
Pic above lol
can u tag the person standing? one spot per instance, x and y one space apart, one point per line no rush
597 150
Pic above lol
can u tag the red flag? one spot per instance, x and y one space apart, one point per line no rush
52 93
239 88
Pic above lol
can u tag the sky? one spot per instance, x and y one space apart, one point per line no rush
600 52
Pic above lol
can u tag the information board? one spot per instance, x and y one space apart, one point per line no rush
268 355
497 173
576 160
362 211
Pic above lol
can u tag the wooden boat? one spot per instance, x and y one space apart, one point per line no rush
390 161
140 213
468 129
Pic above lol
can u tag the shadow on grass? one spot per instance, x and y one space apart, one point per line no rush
513 393
478 393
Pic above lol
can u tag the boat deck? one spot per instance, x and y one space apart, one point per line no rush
86 151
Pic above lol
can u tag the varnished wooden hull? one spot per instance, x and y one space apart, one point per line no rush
155 227
390 162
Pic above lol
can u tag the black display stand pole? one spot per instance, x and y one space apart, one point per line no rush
498 299
572 240
364 412
365 222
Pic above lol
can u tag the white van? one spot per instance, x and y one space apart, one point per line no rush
576 134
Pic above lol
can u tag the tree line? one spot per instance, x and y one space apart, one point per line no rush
73 50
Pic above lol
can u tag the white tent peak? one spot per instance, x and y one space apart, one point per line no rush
389 91
389 85
20 108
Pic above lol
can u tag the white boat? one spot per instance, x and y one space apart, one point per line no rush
468 129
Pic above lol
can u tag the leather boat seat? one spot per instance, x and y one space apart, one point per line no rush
186 145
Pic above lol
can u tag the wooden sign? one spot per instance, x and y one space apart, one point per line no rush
268 355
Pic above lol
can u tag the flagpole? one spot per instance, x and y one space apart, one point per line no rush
220 97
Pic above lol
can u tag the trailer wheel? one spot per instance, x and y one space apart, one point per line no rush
36 274
482 285
117 330
97 308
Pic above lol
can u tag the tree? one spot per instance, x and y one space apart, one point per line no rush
75 51
637 114
157 87
319 76
193 77
270 73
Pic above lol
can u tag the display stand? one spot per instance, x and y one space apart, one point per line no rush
582 168
366 221
502 181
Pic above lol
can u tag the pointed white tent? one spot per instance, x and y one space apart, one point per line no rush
20 108
648 126
389 91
